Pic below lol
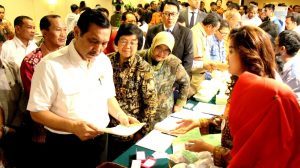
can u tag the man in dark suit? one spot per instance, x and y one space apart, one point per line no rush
192 15
183 47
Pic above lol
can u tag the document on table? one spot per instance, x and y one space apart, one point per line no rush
156 141
189 114
168 124
209 108
122 130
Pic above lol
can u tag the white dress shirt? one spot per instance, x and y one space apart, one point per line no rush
190 15
255 21
73 88
14 50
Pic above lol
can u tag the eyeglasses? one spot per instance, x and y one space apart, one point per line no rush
126 42
170 14
160 50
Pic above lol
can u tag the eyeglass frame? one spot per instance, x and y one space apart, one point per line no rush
169 14
124 42
159 50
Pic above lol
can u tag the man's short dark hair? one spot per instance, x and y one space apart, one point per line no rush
19 20
213 3
212 19
234 5
228 3
103 10
290 40
1 6
253 3
45 21
91 16
270 6
124 16
127 30
118 7
74 7
169 2
295 17
271 28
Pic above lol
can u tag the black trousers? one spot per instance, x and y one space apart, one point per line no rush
69 151
116 147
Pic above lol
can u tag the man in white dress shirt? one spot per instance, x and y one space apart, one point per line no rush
22 44
251 18
72 94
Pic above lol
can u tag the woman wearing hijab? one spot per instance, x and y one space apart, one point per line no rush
167 70
250 50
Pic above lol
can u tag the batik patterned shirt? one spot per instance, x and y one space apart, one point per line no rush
166 73
135 89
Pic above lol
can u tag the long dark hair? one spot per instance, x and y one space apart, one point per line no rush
255 50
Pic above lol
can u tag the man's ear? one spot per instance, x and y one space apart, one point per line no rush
282 48
76 32
17 29
44 33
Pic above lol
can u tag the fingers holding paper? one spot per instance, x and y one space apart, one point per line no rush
85 131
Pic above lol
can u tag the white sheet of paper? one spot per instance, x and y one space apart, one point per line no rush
189 114
156 141
123 130
140 155
168 124
136 164
209 108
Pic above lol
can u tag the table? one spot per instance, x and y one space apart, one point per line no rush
125 158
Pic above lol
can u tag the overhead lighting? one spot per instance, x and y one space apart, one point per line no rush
52 2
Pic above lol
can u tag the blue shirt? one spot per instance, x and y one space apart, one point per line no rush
216 49
291 74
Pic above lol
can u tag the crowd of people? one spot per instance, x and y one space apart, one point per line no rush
91 71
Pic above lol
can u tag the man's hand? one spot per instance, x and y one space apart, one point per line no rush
123 119
84 130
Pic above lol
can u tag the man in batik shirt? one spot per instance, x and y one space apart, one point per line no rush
167 70
135 87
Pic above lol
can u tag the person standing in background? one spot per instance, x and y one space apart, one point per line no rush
6 28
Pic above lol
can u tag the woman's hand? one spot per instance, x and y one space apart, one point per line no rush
185 125
198 146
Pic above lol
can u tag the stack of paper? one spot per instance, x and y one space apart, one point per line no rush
156 141
188 114
122 130
168 124
210 108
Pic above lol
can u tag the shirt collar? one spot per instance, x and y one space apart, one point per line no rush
171 28
195 11
129 63
289 63
19 43
75 58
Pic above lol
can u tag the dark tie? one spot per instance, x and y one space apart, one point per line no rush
192 20
168 30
